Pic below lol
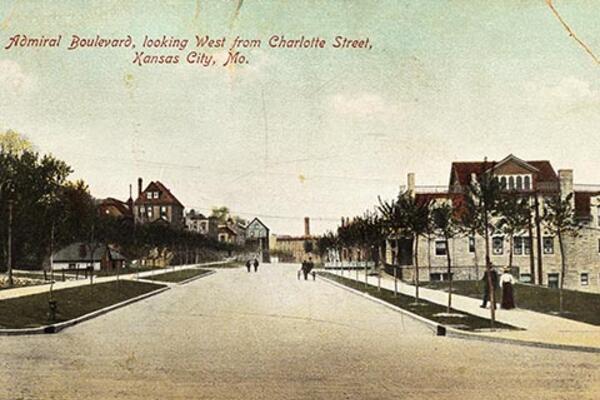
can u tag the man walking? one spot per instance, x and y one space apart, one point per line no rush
486 286
255 264
248 265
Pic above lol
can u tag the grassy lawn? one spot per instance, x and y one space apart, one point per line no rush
178 275
32 311
232 264
425 309
580 306
124 271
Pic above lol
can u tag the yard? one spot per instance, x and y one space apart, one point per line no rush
426 309
178 275
32 311
580 306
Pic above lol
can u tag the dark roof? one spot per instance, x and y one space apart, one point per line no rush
165 197
462 170
123 207
227 228
80 252
259 221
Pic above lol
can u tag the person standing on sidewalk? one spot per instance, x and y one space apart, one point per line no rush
255 264
486 286
248 265
507 281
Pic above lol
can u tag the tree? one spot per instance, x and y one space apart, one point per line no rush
445 225
220 213
514 215
12 142
482 200
560 220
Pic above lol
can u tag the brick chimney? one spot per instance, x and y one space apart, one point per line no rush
306 226
410 183
140 187
565 178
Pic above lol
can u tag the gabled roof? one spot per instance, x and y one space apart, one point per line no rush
81 252
123 207
165 198
259 222
461 171
227 228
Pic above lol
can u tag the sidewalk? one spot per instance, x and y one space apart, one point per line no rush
539 328
27 290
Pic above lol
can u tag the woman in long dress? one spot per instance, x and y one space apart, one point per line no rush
507 281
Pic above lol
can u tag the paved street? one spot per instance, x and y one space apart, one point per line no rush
235 335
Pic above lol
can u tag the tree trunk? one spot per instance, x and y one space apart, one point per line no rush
449 260
563 270
475 257
511 249
538 232
416 255
488 268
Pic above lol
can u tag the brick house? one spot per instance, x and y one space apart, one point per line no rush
155 204
534 249
116 208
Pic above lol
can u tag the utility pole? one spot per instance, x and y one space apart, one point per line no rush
9 252
538 230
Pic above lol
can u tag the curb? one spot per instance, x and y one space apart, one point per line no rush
55 328
457 334
193 278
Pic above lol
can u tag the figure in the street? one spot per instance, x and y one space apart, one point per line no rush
307 267
486 286
248 265
255 263
507 281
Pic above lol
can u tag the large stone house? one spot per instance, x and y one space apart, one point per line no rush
536 256
156 204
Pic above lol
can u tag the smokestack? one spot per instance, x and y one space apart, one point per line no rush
306 226
139 187
565 177
411 183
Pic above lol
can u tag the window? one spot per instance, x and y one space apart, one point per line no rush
498 245
156 195
598 214
434 277
527 182
149 195
553 280
440 247
525 278
503 182
471 244
584 278
519 183
511 183
522 245
548 245
163 211
149 211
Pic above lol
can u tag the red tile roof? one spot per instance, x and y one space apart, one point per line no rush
463 170
165 197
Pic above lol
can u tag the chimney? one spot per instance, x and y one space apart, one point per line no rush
565 178
411 183
343 222
306 226
139 187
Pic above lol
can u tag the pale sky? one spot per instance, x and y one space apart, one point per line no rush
444 81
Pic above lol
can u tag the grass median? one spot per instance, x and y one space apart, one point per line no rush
425 309
579 306
32 311
178 275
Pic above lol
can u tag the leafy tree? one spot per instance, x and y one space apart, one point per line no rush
445 224
12 142
514 214
559 216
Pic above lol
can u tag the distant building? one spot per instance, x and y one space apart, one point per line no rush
293 248
79 256
227 234
197 222
257 236
116 208
157 204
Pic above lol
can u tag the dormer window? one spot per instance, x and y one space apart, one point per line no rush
156 195
149 195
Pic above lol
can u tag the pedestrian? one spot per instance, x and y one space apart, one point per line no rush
486 286
507 281
301 270
255 264
307 267
248 265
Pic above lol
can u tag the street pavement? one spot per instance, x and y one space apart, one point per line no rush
267 335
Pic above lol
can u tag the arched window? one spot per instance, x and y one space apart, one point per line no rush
503 182
527 182
519 183
511 183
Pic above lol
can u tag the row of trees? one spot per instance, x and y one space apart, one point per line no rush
41 211
484 210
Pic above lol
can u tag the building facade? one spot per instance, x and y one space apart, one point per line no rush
535 252
197 222
156 204
257 236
